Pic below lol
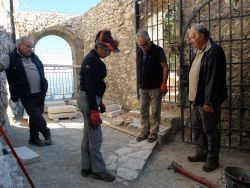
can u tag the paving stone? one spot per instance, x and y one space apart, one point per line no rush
27 155
127 174
131 163
111 163
52 103
143 154
61 109
108 102
112 107
124 151
115 113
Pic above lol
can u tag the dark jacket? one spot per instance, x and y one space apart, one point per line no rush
150 73
92 74
17 79
212 88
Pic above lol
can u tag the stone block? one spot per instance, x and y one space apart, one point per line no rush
53 103
113 107
56 117
61 109
27 155
115 113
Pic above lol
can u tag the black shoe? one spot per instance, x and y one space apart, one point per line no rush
208 167
197 158
36 141
86 172
142 137
48 142
152 138
104 176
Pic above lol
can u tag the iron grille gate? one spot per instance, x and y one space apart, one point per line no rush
228 22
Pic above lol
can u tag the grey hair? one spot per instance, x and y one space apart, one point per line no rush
22 39
143 33
200 29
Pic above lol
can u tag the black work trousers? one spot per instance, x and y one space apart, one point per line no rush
206 133
34 106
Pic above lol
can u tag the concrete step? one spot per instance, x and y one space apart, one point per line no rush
166 118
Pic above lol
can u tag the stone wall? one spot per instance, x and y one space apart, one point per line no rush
6 45
119 18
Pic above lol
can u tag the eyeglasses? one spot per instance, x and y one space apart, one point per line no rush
105 48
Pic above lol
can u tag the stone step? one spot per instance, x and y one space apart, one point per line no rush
166 118
114 113
113 107
128 162
52 103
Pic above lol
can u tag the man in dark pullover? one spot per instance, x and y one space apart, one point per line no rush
25 75
207 91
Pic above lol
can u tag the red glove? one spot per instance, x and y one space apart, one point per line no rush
164 88
95 118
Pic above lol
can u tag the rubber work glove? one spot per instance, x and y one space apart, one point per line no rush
95 118
102 107
164 88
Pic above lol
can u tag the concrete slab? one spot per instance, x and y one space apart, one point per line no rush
27 155
52 103
115 113
61 109
112 107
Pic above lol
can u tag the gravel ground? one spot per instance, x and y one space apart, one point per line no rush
60 163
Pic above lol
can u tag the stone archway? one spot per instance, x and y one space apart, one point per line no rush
75 43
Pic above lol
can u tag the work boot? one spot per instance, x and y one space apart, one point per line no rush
36 141
104 176
142 137
47 137
152 138
210 166
197 158
86 172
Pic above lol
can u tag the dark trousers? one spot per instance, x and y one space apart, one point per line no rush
206 133
34 106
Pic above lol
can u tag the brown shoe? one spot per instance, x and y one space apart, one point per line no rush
152 138
197 158
142 137
208 167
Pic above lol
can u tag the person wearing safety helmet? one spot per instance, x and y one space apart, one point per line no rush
92 86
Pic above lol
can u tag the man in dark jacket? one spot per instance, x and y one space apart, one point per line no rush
207 91
25 75
152 76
